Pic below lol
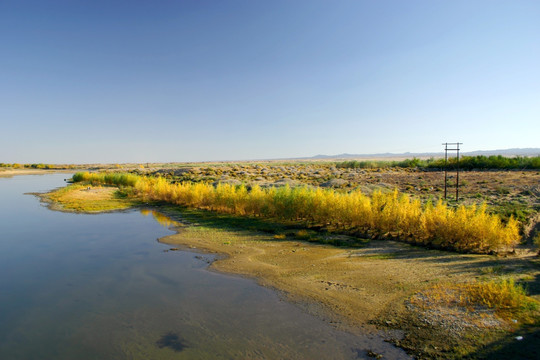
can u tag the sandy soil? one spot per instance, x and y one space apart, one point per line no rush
358 284
371 288
14 172
91 193
88 199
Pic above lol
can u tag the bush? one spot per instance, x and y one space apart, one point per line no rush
504 295
118 179
480 162
469 229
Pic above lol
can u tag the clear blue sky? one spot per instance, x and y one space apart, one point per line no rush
137 81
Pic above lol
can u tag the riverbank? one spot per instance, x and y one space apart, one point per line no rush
370 287
14 172
377 285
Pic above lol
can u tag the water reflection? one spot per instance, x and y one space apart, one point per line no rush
160 218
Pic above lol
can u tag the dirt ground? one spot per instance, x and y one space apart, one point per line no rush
92 193
13 172
356 283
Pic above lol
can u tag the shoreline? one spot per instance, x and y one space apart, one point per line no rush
16 172
308 305
364 289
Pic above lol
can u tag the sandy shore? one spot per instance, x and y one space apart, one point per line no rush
368 288
361 285
14 172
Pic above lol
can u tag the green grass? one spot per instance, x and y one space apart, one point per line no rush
114 178
519 211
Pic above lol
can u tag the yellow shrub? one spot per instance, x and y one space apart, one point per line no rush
469 229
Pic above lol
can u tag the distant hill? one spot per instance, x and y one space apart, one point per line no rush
503 152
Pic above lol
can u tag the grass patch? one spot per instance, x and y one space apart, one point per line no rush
214 220
520 212
475 319
506 298
509 299
86 198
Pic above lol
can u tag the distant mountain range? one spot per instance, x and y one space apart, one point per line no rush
503 152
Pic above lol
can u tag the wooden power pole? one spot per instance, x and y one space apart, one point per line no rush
453 147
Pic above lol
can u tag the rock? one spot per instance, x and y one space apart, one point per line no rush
285 181
228 181
334 183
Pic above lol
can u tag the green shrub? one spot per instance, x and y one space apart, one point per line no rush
480 162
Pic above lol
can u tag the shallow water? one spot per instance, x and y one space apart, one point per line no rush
77 286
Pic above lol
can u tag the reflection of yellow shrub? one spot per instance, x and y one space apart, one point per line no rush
160 218
463 229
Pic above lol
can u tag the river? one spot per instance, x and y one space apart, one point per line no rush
81 286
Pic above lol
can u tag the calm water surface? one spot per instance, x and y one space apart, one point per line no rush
76 286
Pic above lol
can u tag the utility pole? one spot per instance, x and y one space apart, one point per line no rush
446 149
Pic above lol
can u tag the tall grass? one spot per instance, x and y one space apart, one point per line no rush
502 295
467 229
508 299
119 179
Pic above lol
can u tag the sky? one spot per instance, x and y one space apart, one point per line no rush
159 81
